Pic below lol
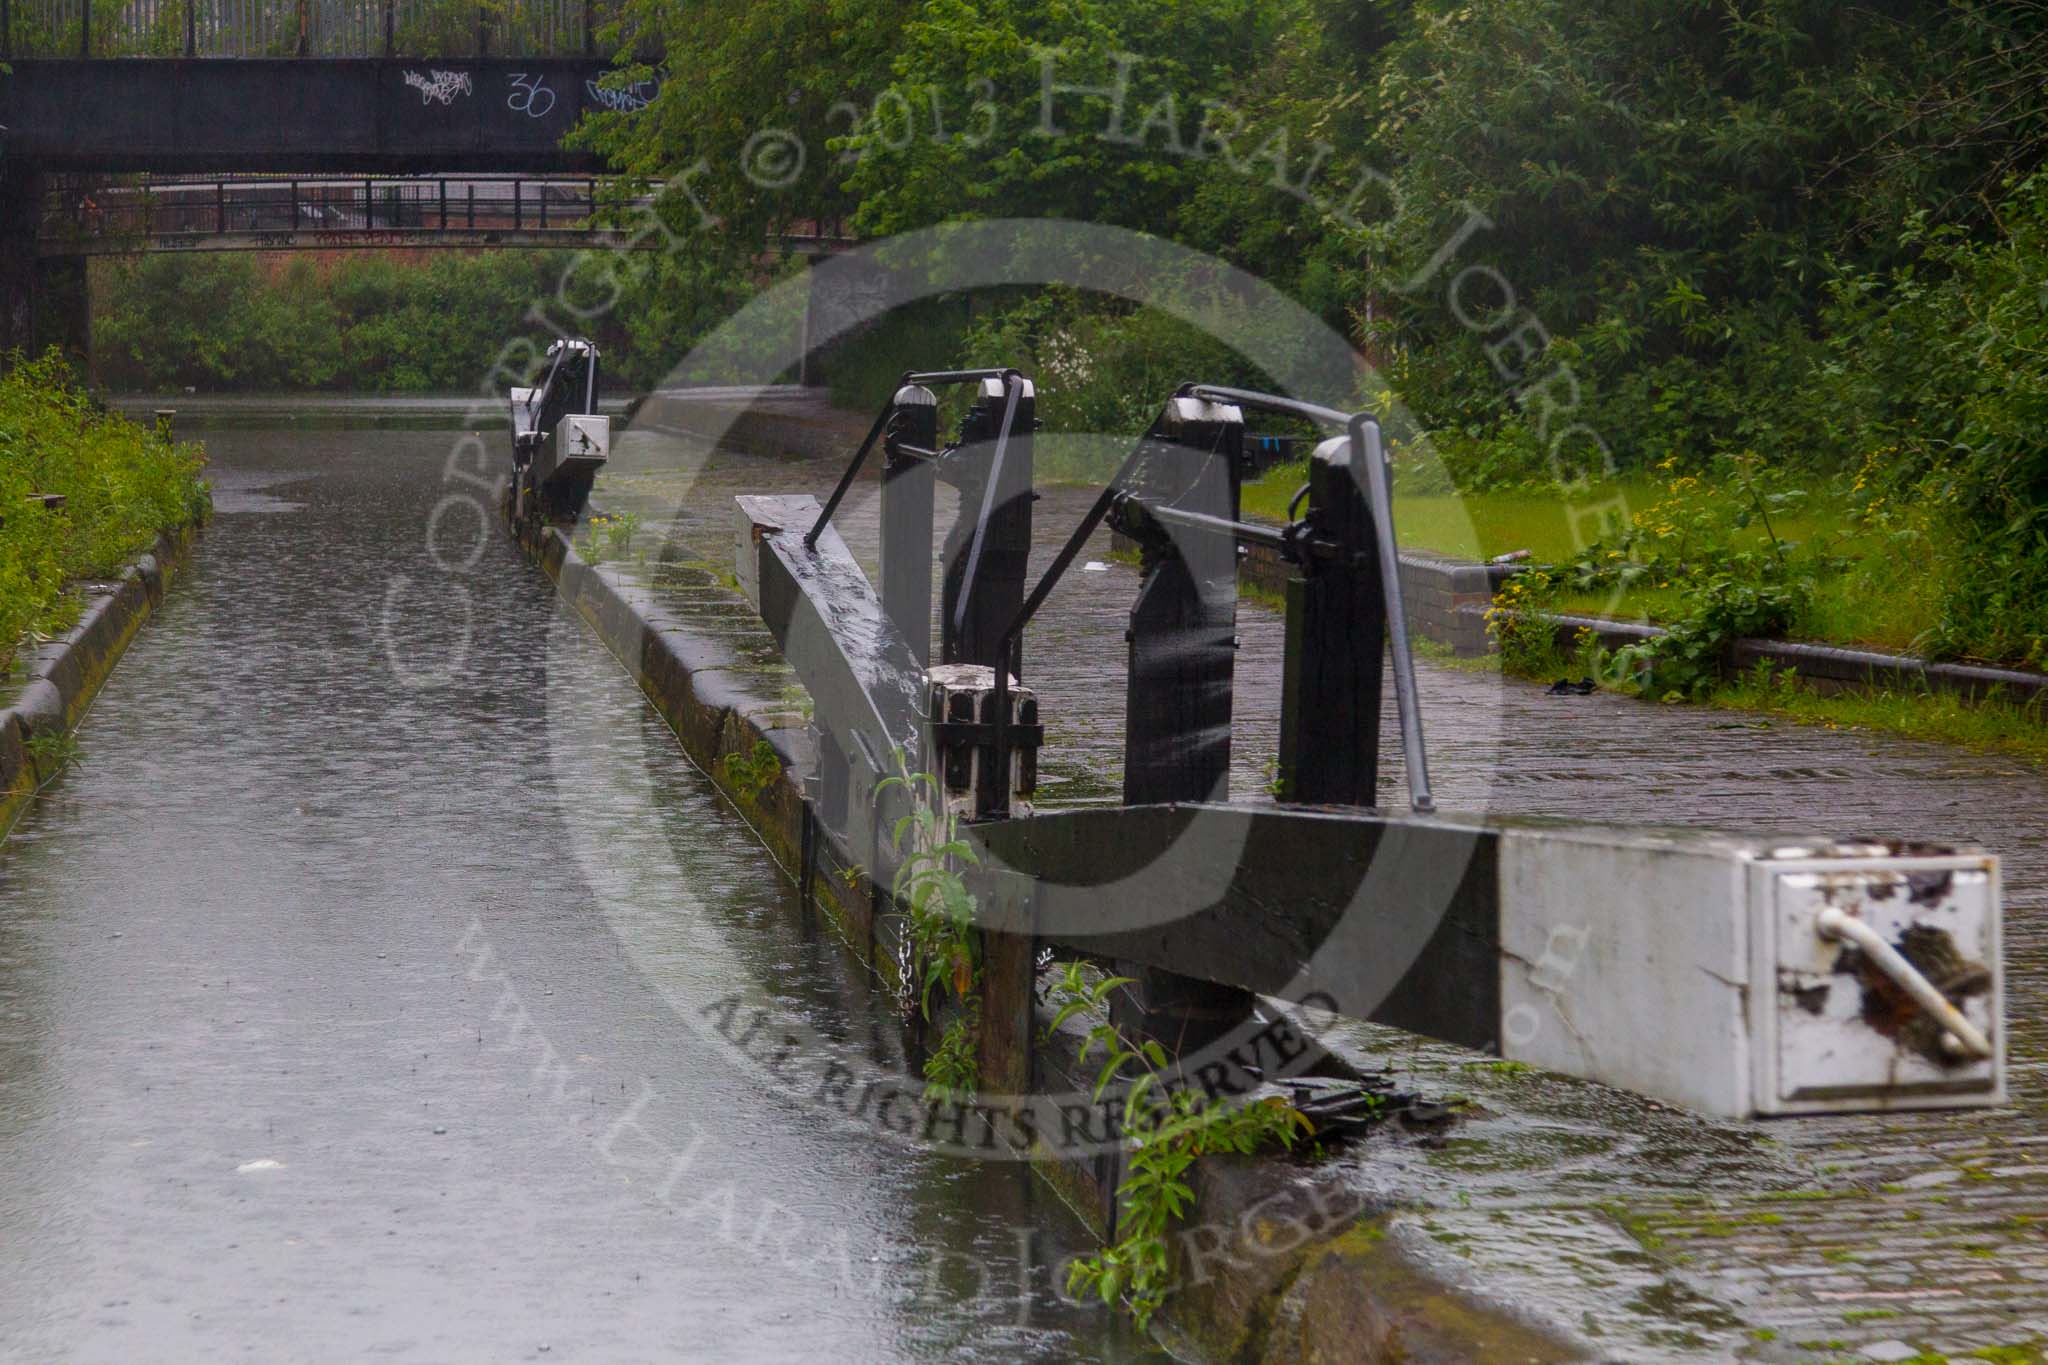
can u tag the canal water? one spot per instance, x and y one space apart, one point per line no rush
359 990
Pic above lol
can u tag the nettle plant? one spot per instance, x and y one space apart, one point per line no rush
1703 543
1169 1128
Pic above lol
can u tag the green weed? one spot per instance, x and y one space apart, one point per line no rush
944 952
122 484
52 753
750 773
1169 1130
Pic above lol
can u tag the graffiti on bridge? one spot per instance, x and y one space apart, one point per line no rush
629 100
530 95
439 87
400 236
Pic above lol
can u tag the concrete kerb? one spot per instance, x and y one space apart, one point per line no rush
1821 668
66 673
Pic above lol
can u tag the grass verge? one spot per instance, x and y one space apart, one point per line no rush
1993 725
121 486
1840 541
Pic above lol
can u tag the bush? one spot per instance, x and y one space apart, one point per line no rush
122 485
362 321
1944 368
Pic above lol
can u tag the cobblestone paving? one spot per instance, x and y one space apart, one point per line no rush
1646 1232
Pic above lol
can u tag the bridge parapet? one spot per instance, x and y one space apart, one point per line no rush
265 213
377 115
82 216
300 28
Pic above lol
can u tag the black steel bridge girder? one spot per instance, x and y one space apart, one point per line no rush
311 116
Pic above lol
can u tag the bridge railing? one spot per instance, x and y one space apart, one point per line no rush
193 209
300 28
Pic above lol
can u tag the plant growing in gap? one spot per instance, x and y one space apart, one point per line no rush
1169 1128
52 753
941 951
608 536
750 773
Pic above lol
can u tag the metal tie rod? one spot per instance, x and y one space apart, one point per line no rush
853 467
1368 460
1104 500
535 396
1365 445
874 433
1269 402
1201 521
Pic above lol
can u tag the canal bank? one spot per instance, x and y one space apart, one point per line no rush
61 679
1632 1231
